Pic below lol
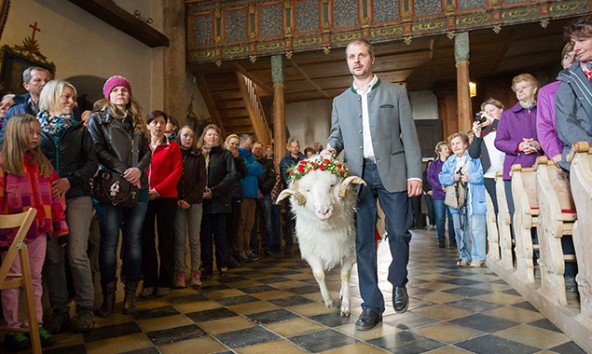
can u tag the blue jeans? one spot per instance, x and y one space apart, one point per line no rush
276 238
130 221
478 226
398 220
441 210
461 229
264 205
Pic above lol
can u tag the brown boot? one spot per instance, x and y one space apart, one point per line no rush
129 300
108 299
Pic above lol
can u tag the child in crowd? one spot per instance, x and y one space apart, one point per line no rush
26 178
188 218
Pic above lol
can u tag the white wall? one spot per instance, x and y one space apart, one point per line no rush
309 121
81 44
424 104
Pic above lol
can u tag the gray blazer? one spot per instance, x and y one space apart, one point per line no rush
394 138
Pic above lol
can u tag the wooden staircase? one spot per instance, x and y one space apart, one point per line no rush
234 106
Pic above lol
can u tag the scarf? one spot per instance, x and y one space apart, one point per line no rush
55 125
587 69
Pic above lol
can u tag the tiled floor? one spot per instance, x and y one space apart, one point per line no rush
274 306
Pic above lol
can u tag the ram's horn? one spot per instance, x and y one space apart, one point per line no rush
346 182
300 199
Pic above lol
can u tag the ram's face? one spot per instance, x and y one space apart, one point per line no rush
321 192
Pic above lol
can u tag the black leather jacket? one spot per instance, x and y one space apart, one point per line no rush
194 178
221 172
113 139
73 157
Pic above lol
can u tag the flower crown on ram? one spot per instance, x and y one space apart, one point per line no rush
305 166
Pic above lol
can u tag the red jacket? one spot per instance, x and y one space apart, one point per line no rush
165 169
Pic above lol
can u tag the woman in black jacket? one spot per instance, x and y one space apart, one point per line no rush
188 218
122 146
217 197
67 144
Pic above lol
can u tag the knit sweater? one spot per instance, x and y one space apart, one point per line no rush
32 190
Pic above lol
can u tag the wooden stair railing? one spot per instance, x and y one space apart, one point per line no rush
493 243
256 113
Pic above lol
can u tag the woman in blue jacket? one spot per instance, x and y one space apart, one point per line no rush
460 167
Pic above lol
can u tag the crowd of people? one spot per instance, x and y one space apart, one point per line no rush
185 189
215 194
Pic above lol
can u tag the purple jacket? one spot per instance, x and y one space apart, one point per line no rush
545 121
516 124
433 172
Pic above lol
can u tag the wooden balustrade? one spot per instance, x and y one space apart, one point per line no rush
558 207
493 244
557 210
504 224
525 220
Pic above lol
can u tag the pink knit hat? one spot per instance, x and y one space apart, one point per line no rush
113 82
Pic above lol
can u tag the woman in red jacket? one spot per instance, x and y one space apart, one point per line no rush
163 175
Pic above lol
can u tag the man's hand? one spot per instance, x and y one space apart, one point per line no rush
328 153
414 188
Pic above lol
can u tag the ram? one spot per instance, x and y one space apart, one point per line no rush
323 203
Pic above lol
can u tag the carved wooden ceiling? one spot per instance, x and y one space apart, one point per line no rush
421 64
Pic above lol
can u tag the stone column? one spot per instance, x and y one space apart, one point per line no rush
461 55
175 69
279 112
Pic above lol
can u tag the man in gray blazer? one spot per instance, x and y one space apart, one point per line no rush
372 123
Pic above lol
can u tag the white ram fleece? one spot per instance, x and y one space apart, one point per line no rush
331 240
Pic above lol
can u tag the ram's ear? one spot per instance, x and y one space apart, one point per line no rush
346 182
300 198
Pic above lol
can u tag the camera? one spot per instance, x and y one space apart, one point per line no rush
479 117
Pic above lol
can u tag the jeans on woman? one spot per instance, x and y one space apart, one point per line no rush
188 224
130 221
78 217
478 226
461 230
213 231
441 211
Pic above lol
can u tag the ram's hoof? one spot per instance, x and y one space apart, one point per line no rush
330 304
345 312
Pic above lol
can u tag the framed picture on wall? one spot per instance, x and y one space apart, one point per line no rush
12 65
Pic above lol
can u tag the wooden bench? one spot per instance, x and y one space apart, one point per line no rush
503 224
526 217
581 186
557 216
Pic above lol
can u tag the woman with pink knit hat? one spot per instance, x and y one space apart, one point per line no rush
120 137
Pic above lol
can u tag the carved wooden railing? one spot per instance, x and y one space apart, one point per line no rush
256 113
504 222
557 198
558 215
526 219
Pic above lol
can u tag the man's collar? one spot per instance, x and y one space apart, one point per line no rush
369 87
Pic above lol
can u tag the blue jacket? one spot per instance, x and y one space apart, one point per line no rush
19 107
476 201
254 170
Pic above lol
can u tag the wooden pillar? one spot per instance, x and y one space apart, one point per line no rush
175 72
461 55
279 112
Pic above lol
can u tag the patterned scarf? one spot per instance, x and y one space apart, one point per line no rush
587 69
55 125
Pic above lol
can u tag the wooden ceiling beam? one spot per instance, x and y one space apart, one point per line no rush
308 79
111 13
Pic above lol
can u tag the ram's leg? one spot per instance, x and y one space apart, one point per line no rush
346 268
319 274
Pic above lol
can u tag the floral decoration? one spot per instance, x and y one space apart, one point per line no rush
305 166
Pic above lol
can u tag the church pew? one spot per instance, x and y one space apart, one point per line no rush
557 216
503 224
493 244
581 186
525 219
